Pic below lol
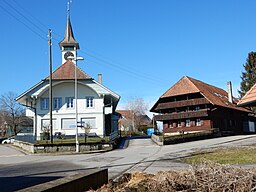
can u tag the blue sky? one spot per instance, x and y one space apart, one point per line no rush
142 47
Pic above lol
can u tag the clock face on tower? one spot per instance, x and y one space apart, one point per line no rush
67 54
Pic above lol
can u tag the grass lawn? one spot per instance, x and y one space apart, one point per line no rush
241 155
73 140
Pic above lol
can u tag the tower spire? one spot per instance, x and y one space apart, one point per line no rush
68 45
69 39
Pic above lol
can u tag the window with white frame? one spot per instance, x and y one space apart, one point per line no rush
89 102
70 102
45 124
187 122
57 102
198 122
68 123
44 103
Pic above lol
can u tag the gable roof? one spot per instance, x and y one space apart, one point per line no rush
182 87
67 71
249 99
125 113
215 95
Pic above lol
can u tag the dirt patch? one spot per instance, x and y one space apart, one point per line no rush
206 176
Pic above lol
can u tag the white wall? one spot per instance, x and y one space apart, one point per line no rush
66 89
29 112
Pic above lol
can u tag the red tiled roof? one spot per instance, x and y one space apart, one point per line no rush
67 71
125 113
249 99
182 87
214 95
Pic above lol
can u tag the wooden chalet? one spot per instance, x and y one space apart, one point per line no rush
191 105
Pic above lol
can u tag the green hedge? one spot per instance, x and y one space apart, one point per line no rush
187 137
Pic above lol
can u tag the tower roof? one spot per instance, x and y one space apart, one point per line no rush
69 39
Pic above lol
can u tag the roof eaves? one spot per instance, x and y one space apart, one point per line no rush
247 93
29 90
110 91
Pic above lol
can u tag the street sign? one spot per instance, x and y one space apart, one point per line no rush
80 124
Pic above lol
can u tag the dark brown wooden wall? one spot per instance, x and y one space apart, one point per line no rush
206 125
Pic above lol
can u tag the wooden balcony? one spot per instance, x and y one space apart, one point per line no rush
183 103
182 115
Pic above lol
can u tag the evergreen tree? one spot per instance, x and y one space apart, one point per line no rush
249 75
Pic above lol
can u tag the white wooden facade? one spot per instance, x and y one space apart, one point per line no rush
64 115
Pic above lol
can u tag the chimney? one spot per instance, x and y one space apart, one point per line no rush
230 95
100 78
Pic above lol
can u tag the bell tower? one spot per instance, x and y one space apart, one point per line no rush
68 45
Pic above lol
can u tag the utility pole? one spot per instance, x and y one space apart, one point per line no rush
153 119
50 81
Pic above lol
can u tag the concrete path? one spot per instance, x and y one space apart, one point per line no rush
7 151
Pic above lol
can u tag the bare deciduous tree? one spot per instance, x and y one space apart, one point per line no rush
86 129
11 112
138 107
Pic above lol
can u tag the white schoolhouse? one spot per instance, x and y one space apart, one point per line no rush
96 103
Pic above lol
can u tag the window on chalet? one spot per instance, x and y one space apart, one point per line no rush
187 122
197 108
44 103
170 124
70 102
198 122
179 123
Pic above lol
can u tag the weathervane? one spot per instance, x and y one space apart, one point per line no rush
69 2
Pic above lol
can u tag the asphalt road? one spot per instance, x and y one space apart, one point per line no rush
19 170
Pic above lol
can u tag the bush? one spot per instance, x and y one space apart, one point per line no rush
187 137
207 176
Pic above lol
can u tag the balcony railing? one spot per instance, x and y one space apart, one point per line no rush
182 115
183 103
